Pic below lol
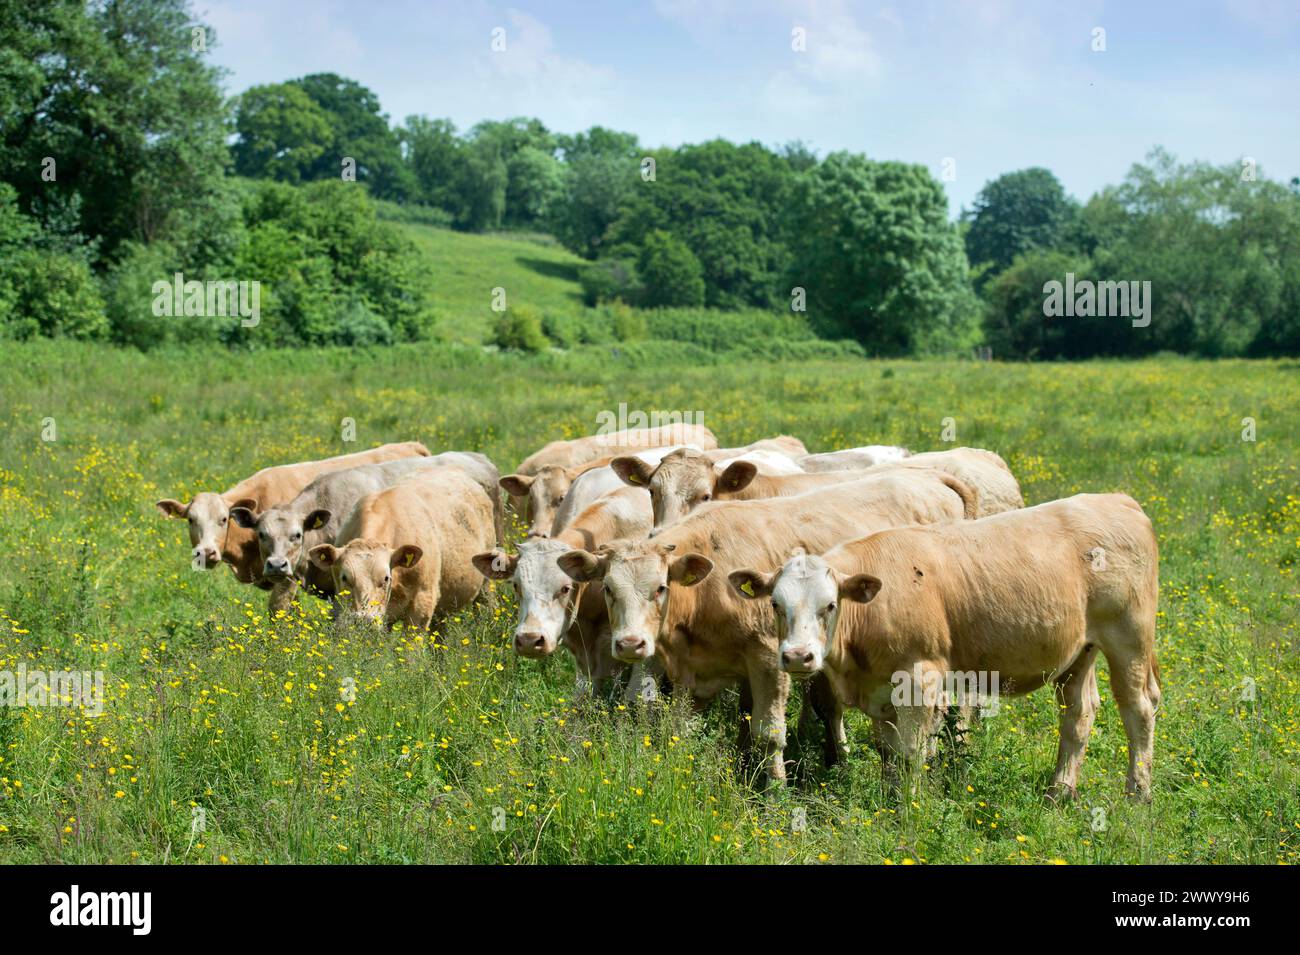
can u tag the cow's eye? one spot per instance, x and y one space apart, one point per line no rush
558 500
830 607
223 521
298 536
776 606
387 578
661 589
564 590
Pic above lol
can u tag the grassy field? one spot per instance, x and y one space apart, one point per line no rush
454 750
533 269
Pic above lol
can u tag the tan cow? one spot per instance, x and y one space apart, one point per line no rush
664 601
215 538
555 491
682 481
899 618
571 453
853 459
286 532
994 484
403 554
553 609
556 495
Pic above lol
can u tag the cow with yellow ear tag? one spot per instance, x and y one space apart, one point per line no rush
404 554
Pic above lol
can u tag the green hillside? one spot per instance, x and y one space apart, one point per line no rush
466 267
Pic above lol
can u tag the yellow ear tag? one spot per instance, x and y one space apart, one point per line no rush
748 588
318 525
688 579
634 478
410 558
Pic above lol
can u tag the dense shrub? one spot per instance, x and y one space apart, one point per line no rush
520 329
610 280
669 272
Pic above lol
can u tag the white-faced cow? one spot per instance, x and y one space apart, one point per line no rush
665 600
555 610
903 619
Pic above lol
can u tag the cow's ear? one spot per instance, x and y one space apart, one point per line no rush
751 584
689 569
632 470
737 477
316 519
170 508
244 517
408 555
860 587
583 565
247 502
324 556
517 484
495 564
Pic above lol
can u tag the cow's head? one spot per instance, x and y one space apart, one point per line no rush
364 569
636 576
280 533
547 596
544 493
805 594
208 516
678 483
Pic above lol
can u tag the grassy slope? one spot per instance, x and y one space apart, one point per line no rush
213 705
467 268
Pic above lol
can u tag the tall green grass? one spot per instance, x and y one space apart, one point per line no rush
302 740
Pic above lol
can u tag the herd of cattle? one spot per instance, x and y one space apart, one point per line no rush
873 573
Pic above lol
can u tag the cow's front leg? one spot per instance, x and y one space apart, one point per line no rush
282 596
771 691
642 684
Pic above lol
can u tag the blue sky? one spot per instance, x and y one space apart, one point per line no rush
995 85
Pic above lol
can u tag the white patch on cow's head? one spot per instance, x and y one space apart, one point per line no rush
636 576
636 597
209 520
805 597
547 597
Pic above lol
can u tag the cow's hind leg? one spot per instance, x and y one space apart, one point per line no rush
1077 699
1137 693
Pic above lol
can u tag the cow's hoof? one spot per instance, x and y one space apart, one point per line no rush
1058 794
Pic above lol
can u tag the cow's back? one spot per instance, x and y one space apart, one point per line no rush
1012 592
996 488
578 451
283 482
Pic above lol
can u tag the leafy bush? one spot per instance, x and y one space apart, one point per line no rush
520 329
669 272
609 280
51 294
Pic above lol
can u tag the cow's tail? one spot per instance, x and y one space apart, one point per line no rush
969 499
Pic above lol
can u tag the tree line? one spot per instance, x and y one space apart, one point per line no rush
121 163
